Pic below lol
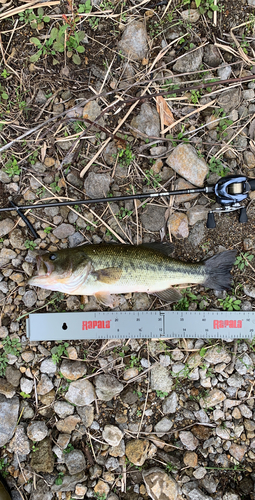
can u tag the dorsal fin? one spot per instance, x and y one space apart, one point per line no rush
165 248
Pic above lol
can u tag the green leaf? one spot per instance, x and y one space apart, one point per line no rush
81 35
35 41
40 11
76 59
210 14
54 33
58 46
36 56
198 2
4 95
46 19
80 49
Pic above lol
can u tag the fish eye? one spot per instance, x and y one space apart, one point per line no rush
52 256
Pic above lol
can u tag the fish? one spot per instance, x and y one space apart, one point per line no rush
104 270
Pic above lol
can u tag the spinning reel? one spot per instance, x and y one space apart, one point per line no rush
230 191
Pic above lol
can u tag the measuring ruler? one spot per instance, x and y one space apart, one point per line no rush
141 324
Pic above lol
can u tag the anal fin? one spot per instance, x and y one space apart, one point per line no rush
106 299
169 295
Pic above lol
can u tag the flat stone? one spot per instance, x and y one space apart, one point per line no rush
237 451
12 375
153 218
42 459
118 451
9 412
230 99
190 15
130 373
170 404
190 459
224 72
107 387
133 43
6 388
110 153
63 231
160 485
217 355
235 380
185 161
63 409
29 298
163 426
48 366
6 225
147 121
87 414
69 482
199 473
179 227
160 379
214 398
97 185
189 440
73 370
68 424
20 443
182 184
189 62
137 450
101 489
223 433
45 385
112 435
81 393
37 431
75 461
196 213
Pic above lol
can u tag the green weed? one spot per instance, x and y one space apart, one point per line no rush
230 303
69 448
25 395
59 479
152 178
12 167
30 245
161 394
215 166
243 260
58 351
205 6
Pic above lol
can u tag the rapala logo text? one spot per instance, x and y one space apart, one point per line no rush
91 325
227 324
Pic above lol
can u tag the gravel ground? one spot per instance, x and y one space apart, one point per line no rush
167 420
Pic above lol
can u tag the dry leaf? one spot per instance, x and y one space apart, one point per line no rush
162 107
43 151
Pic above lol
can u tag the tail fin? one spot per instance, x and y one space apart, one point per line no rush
218 270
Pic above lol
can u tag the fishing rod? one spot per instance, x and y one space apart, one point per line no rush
230 191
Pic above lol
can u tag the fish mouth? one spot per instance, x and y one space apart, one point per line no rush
44 268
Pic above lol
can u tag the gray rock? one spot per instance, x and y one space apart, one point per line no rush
74 180
224 72
189 62
81 393
110 153
185 161
40 97
188 440
69 482
75 462
87 414
45 385
160 485
147 121
48 366
141 301
112 435
202 416
163 426
73 303
160 379
196 214
107 386
230 495
249 290
197 234
63 231
170 404
75 239
112 463
199 473
209 484
4 177
72 369
190 15
133 43
26 385
243 363
230 99
42 492
37 431
92 110
42 459
153 218
97 185
20 443
178 223
17 240
29 298
235 380
6 225
12 374
9 412
63 409
197 494
217 355
211 55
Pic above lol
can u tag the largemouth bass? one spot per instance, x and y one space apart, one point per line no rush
106 269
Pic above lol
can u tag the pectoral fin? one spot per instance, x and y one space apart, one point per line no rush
109 275
106 299
169 295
